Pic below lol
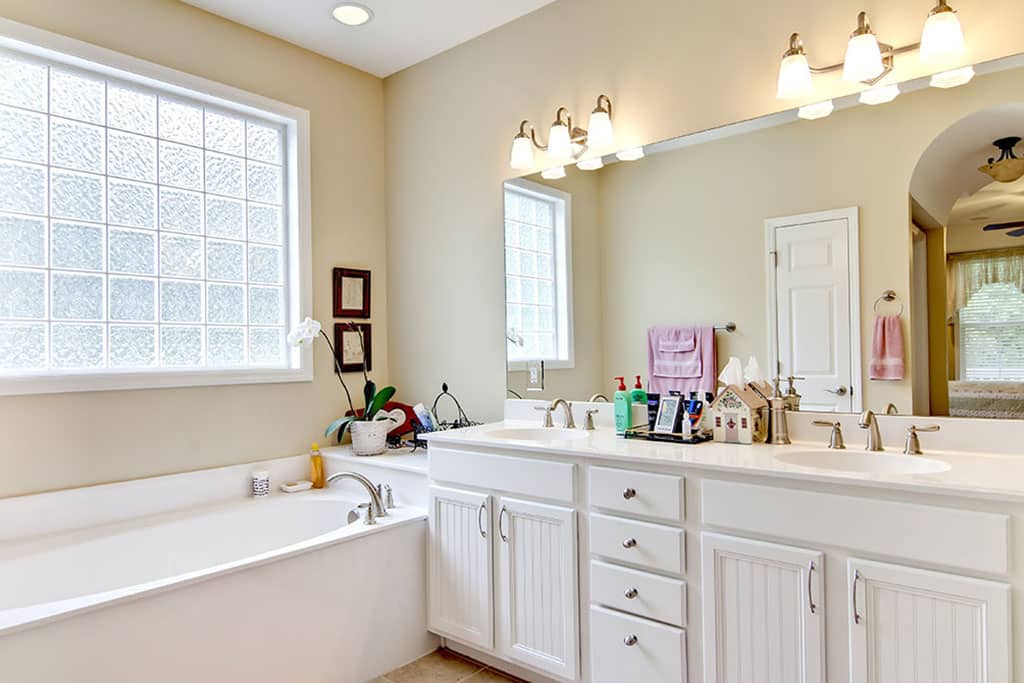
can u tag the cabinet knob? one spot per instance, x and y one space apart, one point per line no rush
629 543
630 640
632 593
629 493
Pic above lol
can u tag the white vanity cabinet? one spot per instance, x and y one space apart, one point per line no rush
764 612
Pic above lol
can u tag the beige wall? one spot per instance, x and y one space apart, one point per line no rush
66 440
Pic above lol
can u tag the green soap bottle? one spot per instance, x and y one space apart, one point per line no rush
623 408
638 396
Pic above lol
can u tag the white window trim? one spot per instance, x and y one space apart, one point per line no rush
563 270
58 48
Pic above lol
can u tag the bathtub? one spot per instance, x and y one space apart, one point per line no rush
237 589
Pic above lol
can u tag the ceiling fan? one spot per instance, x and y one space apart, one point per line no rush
1016 228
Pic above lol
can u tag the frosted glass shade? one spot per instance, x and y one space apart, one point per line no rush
942 40
880 95
794 78
555 173
951 79
522 153
818 110
559 144
863 59
600 134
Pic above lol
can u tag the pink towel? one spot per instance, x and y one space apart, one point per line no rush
887 349
681 359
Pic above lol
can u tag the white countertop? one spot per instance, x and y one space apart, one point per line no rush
974 475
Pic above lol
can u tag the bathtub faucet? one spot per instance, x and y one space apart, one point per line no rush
377 508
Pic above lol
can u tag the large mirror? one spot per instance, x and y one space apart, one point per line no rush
864 253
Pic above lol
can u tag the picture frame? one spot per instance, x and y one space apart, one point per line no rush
351 293
346 341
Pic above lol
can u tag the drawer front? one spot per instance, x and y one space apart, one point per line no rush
625 648
639 593
660 496
640 543
531 477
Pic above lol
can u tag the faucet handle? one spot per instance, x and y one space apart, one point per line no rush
835 440
913 445
547 415
588 421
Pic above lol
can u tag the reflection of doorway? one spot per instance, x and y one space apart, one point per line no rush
919 323
814 306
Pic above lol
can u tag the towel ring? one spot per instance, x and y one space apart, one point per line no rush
889 296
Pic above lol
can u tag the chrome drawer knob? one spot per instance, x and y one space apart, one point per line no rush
630 640
629 493
629 543
632 593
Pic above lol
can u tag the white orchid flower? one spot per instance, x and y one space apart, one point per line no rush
304 333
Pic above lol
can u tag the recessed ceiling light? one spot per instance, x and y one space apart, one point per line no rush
352 14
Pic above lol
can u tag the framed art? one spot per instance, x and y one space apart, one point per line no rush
350 353
351 293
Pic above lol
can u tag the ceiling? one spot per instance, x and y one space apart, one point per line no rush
402 33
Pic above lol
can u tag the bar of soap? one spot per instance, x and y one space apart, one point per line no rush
296 486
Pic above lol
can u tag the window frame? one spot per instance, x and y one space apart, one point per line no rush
76 54
961 332
564 327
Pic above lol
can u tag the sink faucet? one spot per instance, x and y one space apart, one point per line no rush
569 422
377 508
867 421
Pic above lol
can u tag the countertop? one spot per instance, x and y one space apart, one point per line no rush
973 475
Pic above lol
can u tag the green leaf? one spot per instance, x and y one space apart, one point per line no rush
340 424
344 428
382 397
369 391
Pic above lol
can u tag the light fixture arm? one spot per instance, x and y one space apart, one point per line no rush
604 103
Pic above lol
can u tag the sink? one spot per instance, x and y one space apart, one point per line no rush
861 461
539 434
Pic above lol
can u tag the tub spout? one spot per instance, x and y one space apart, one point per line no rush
376 503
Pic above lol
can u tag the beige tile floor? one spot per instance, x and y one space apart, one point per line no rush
444 666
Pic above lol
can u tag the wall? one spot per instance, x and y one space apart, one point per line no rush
670 67
56 441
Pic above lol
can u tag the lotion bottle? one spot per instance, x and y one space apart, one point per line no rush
623 408
316 467
638 395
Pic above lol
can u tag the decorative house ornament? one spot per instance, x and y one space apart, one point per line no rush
739 415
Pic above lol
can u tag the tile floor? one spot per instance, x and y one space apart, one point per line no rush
445 666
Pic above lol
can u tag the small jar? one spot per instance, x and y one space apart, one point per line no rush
260 483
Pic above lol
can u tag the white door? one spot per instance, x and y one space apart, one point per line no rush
915 625
814 306
764 612
537 574
461 599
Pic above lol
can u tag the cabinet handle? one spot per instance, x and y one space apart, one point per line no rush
810 595
632 593
629 493
479 519
501 528
856 614
630 640
629 543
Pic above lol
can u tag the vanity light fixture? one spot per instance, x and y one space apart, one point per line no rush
794 72
863 61
566 142
631 154
880 94
818 110
352 14
556 173
954 78
942 40
591 164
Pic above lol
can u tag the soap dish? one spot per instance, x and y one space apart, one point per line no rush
296 486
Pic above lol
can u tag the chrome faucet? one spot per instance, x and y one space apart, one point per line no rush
867 421
569 422
377 508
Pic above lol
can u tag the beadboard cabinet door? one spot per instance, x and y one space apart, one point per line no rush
539 587
914 625
461 598
764 612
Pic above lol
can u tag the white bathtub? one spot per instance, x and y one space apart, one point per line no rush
245 589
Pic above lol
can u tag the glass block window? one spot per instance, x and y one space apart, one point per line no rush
537 303
992 334
139 230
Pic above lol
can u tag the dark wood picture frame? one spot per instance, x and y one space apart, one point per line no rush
342 274
340 329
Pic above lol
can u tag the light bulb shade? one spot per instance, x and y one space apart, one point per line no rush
794 77
556 173
880 95
942 40
819 110
951 79
591 164
522 153
600 134
559 144
863 58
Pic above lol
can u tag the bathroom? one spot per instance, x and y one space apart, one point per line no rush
132 546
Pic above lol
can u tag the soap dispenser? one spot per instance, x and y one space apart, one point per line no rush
623 408
792 397
638 396
316 467
778 428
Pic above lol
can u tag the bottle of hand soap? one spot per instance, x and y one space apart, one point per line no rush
623 408
638 395
316 467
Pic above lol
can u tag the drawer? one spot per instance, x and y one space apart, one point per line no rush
641 543
639 593
530 477
660 496
625 648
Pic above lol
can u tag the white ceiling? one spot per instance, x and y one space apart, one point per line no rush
402 33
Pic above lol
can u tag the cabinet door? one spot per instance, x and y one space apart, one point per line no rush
538 612
461 600
915 625
764 612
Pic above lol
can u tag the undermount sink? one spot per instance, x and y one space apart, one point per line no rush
539 434
861 461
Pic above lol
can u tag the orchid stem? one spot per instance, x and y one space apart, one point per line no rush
337 371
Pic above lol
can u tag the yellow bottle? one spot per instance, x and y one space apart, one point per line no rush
316 467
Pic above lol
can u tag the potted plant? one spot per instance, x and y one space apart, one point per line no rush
369 430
